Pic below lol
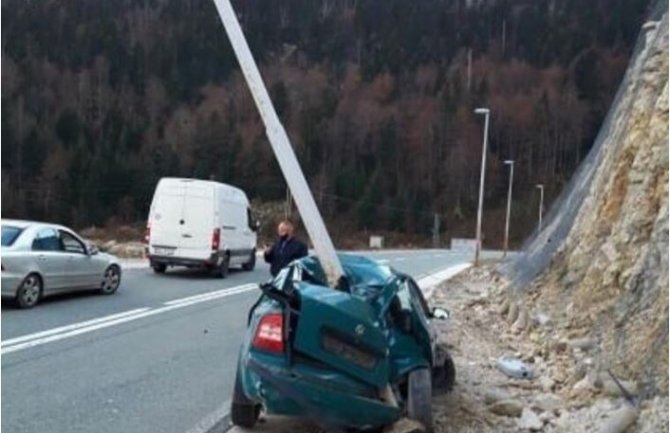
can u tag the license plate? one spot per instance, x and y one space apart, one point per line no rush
159 251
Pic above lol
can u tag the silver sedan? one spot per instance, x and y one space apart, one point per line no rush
40 259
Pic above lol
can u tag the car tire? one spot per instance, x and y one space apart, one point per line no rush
419 398
111 280
251 264
243 412
444 375
29 292
221 271
159 268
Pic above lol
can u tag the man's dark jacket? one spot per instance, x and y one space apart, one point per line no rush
284 252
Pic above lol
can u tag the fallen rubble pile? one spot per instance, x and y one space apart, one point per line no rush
568 392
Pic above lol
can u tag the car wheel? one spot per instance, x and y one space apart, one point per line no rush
159 268
29 292
243 412
111 280
251 264
222 270
444 375
419 398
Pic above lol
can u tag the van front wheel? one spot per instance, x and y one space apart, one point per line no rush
222 270
251 264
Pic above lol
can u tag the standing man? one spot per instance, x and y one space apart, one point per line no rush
285 250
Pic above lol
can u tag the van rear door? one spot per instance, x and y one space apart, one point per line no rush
197 222
166 214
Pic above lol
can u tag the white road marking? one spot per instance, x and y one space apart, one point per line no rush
44 337
429 283
382 261
71 327
211 419
212 295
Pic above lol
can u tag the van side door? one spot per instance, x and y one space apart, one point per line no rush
249 232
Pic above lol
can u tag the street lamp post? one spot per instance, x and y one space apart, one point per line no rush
541 187
486 112
509 205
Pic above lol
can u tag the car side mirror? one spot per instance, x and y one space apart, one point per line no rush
440 313
92 250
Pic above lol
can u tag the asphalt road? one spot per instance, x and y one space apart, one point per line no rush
158 356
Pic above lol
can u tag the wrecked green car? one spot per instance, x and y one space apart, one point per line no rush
358 357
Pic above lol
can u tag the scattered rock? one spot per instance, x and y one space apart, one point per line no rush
548 402
547 417
493 395
512 313
405 425
529 420
559 346
610 388
559 375
620 419
585 384
511 408
504 307
584 343
521 323
542 319
547 383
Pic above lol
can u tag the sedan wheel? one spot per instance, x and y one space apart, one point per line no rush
243 412
29 292
419 398
111 280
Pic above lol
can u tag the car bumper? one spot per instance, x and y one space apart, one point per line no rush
213 260
10 283
325 396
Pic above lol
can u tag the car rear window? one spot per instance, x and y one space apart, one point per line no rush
9 235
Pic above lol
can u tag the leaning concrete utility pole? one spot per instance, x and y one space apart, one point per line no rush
539 216
486 112
282 147
509 205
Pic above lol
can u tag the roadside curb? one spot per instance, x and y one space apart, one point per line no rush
134 264
429 283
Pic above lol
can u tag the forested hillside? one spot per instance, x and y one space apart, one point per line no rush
102 98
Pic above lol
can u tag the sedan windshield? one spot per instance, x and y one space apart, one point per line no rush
9 235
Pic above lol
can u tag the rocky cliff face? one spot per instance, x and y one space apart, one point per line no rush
608 278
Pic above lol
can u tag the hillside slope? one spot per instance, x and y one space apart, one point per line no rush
607 279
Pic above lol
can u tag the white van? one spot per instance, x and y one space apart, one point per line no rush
200 223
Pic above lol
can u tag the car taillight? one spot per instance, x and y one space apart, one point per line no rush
270 333
147 233
216 239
